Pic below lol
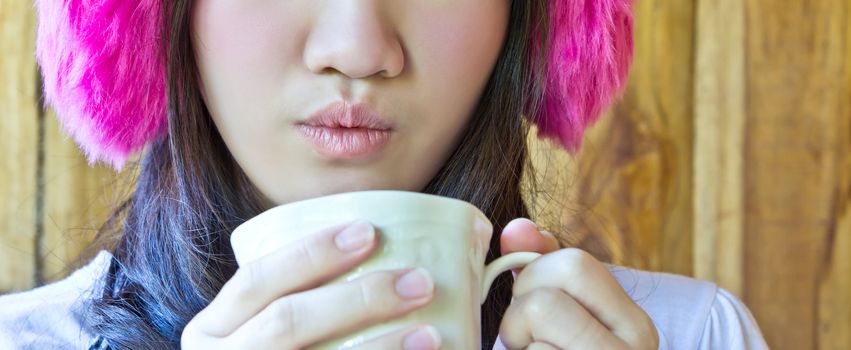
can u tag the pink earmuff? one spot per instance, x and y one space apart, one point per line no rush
590 55
104 70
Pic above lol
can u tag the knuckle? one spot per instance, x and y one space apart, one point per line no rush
376 293
241 284
574 262
365 295
588 335
375 289
285 320
539 302
308 255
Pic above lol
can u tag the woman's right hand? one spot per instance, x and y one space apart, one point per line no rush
279 301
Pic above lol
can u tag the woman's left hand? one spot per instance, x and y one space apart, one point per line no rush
567 299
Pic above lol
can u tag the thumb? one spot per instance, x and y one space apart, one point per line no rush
523 235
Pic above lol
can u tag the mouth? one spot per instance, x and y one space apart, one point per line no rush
345 143
348 115
343 130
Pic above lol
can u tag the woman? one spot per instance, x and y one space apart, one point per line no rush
420 95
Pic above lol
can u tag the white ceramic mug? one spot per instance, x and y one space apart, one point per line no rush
446 236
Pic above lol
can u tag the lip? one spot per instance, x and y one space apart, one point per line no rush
348 115
346 131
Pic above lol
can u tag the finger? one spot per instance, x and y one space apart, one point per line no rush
302 265
302 319
411 338
588 282
530 319
523 235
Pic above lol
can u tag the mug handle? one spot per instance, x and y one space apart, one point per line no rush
501 265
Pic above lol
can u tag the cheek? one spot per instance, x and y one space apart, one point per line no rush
455 51
242 50
241 30
467 36
453 54
242 47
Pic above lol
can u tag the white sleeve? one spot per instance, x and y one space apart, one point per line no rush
51 316
730 325
42 318
6 339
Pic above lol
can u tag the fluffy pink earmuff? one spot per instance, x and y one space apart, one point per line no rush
589 60
104 70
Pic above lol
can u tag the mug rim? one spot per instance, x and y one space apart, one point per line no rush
244 239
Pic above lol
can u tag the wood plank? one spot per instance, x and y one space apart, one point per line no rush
634 182
834 289
719 114
18 145
834 298
78 199
552 170
796 169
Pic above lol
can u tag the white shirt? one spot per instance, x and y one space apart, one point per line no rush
688 313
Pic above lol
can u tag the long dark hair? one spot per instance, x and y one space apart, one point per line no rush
170 239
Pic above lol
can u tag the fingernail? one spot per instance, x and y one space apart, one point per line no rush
529 221
355 237
424 338
517 221
415 284
552 238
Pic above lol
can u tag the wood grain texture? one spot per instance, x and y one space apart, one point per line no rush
834 289
728 159
18 145
796 174
78 199
719 130
634 186
834 298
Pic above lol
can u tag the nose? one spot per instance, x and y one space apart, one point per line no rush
352 38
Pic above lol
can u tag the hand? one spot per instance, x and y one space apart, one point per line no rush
566 299
279 300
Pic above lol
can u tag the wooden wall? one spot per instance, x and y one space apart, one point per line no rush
728 159
52 201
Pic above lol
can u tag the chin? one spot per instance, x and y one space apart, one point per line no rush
293 195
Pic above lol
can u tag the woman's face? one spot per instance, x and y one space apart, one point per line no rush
266 66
